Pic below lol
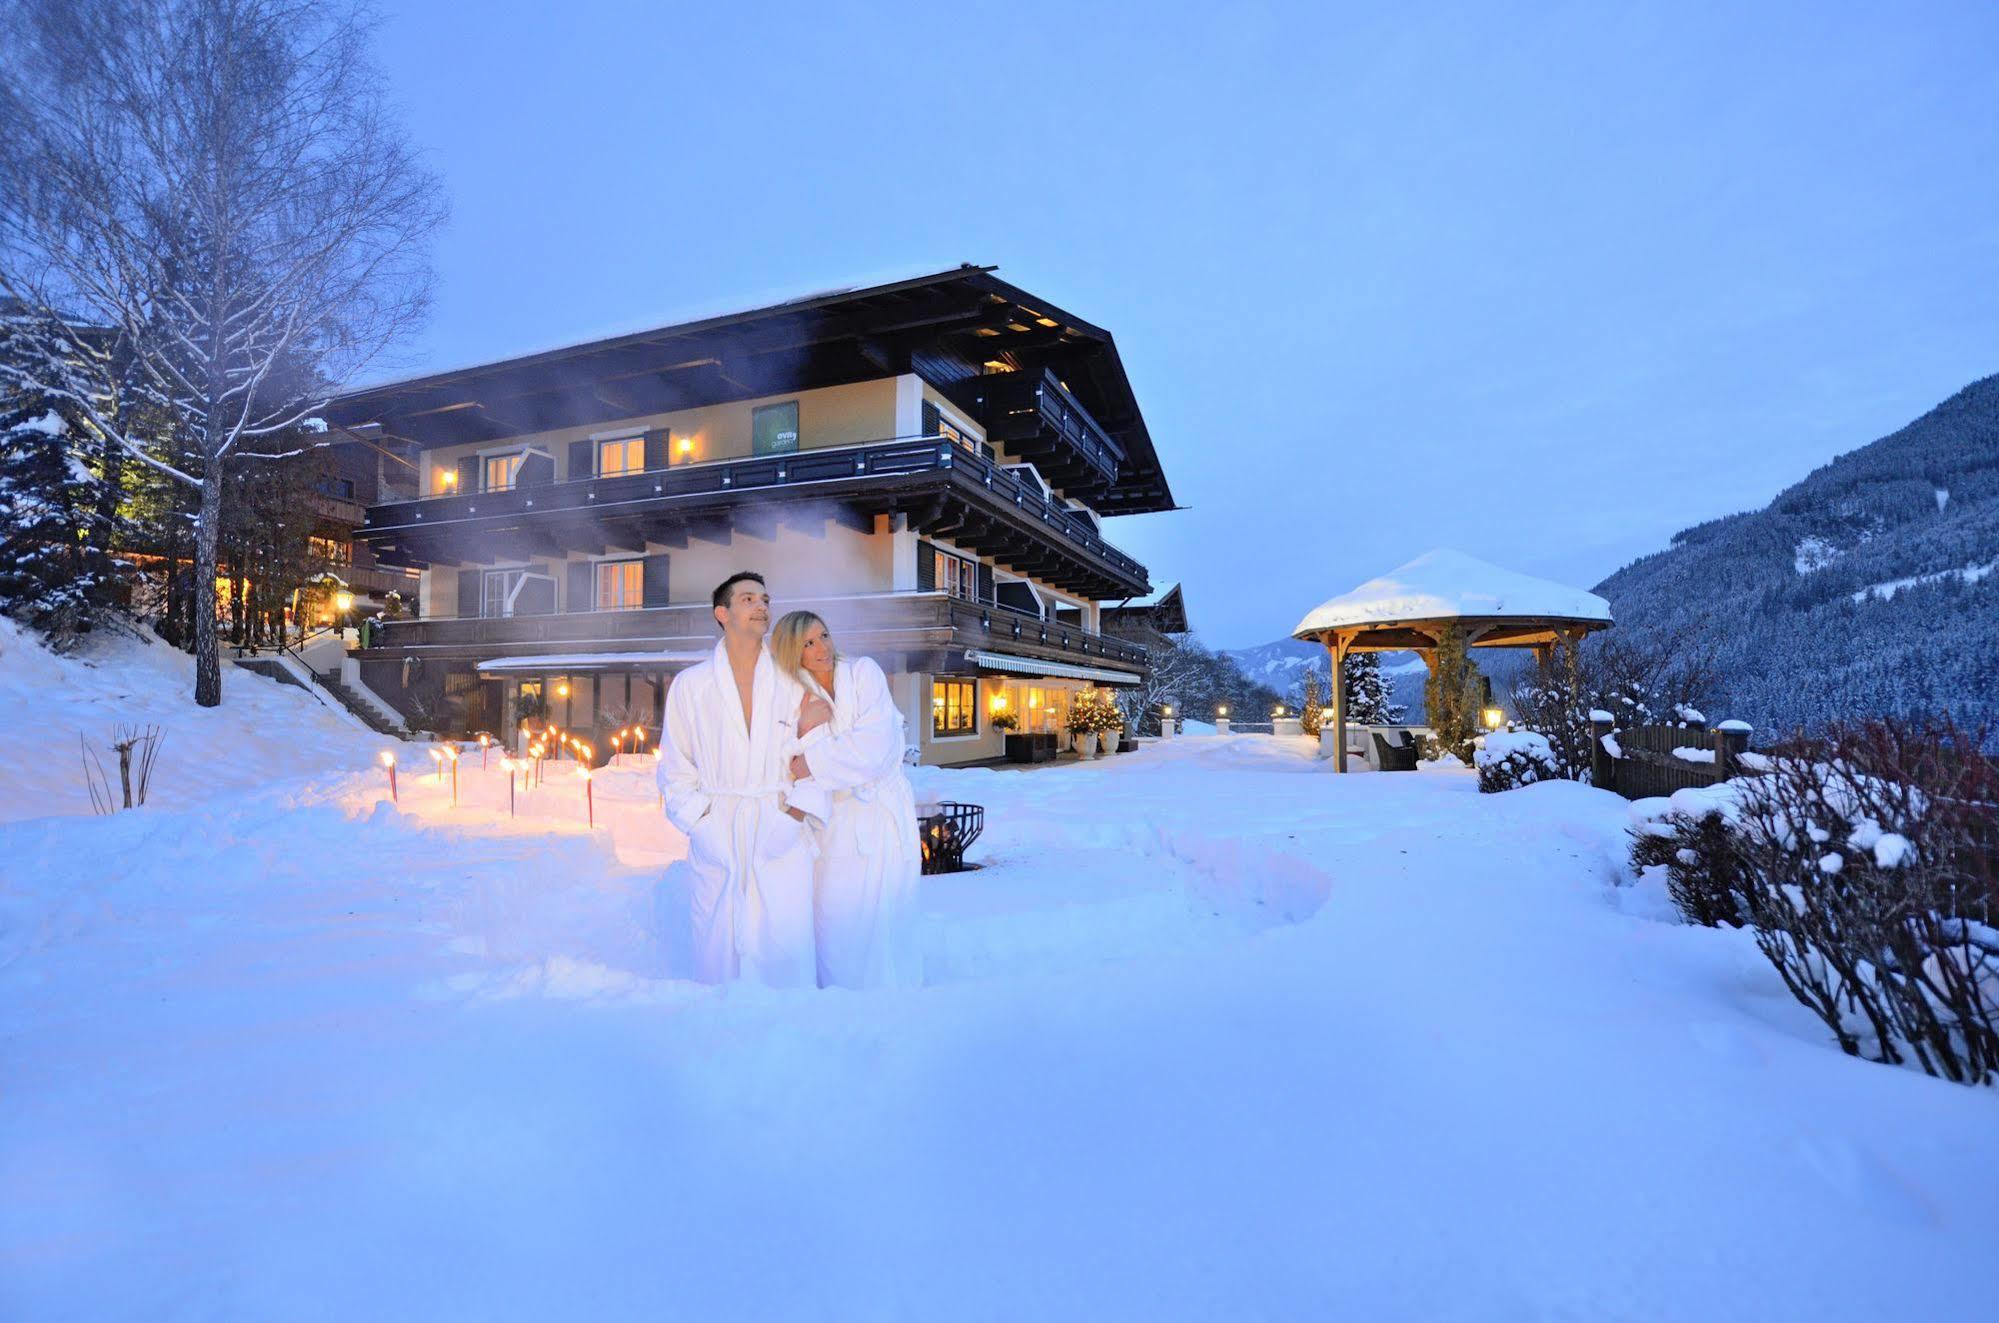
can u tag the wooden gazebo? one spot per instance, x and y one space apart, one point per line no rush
1408 608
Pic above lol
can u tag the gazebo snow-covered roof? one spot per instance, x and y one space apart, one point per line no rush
1502 608
1411 606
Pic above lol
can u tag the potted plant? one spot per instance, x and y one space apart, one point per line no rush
1083 725
1112 731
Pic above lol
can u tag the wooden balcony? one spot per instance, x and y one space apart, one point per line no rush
1036 418
926 631
945 488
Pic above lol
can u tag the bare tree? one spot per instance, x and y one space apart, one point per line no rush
213 222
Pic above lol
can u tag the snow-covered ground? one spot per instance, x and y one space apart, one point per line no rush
1211 1034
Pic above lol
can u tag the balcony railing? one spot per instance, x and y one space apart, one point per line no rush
928 619
1019 406
897 457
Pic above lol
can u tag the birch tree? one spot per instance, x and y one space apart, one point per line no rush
214 224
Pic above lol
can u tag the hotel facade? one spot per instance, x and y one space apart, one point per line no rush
927 464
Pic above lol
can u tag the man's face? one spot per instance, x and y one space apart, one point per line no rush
748 611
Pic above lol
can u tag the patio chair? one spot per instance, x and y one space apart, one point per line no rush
1397 757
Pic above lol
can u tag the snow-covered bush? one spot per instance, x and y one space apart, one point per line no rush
1509 759
1867 862
1686 838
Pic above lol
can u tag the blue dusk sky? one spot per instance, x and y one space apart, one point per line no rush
1544 283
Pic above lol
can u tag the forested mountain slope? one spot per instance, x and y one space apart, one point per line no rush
1869 588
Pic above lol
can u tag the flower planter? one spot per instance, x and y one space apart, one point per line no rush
1086 743
1110 741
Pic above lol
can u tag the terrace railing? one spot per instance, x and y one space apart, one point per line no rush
895 457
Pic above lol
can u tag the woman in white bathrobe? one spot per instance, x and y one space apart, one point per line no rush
849 743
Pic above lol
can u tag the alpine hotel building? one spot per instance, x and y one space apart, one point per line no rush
923 463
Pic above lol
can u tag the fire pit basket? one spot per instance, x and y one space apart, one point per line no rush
945 834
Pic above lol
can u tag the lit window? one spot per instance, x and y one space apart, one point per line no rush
954 706
501 470
627 455
620 585
957 576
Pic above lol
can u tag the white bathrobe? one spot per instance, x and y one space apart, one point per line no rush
865 899
749 862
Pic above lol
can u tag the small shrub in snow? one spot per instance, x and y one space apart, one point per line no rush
1507 760
1687 838
1867 863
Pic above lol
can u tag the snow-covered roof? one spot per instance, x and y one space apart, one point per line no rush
1445 584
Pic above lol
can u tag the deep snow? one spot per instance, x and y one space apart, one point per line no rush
1212 1034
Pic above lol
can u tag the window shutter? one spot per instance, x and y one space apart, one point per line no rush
658 446
926 567
985 583
468 474
655 580
536 471
582 464
932 419
470 580
582 586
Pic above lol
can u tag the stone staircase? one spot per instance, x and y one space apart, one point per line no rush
370 715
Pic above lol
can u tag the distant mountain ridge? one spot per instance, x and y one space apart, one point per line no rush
1869 588
1283 663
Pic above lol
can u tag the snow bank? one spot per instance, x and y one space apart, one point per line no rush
277 1049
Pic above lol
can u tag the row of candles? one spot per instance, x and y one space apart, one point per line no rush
528 767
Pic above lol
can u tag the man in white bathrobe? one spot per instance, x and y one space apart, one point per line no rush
723 775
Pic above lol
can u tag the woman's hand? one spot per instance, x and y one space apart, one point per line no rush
800 769
813 713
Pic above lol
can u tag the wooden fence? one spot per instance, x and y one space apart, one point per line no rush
1645 761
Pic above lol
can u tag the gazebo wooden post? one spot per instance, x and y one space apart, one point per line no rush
1341 641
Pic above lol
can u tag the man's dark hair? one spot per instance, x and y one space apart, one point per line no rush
722 591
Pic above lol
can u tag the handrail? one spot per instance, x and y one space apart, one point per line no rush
896 456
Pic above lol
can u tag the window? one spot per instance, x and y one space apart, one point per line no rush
331 550
518 592
954 706
340 487
774 429
620 585
501 470
625 455
957 576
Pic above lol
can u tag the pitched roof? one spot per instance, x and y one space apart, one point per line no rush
1444 585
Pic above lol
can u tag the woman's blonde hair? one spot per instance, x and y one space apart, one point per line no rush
787 642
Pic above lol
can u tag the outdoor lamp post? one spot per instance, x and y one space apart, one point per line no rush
1222 719
1493 718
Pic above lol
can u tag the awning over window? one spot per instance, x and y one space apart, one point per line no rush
593 661
1001 661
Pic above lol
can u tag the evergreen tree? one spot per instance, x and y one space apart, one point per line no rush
58 510
1312 709
1452 695
1368 699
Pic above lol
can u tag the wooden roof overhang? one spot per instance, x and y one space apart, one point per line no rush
1480 632
1168 614
945 327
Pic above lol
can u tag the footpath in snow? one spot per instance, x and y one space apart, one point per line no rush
1211 1034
